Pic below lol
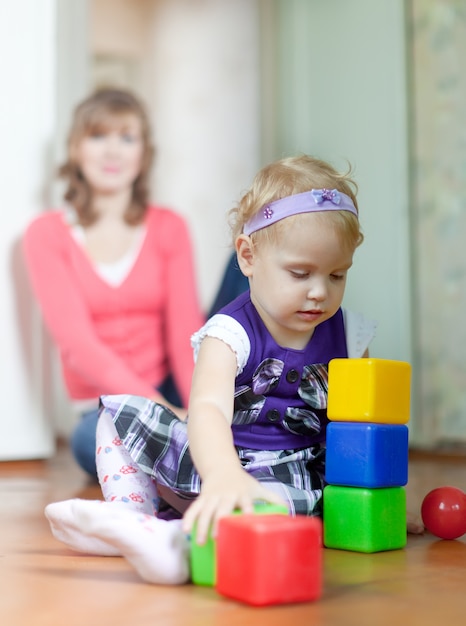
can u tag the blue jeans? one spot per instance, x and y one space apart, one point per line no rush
83 439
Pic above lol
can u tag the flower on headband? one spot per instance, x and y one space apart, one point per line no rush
332 195
268 212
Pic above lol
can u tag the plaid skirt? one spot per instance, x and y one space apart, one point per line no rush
157 442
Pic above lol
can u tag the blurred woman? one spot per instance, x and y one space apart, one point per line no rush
114 274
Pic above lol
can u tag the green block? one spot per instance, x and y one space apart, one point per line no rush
264 508
364 520
203 559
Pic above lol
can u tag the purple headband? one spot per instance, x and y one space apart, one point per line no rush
306 202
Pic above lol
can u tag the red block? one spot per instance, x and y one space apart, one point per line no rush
269 559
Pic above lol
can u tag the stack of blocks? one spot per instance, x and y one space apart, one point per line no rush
367 454
263 558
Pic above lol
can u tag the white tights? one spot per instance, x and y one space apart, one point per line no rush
121 480
126 523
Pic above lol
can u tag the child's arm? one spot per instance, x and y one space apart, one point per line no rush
225 484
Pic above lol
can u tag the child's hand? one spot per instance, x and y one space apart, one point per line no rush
221 493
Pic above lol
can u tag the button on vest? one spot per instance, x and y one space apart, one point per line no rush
273 415
292 376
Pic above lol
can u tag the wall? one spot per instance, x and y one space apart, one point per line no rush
27 112
120 45
437 52
42 60
206 98
341 95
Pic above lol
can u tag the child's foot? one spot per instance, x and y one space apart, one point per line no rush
64 528
157 549
414 523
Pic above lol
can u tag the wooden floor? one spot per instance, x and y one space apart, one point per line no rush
44 584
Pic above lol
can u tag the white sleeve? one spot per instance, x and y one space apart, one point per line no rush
359 333
229 331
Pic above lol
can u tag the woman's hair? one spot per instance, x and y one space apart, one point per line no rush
95 114
290 176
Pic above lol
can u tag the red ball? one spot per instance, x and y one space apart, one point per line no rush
443 512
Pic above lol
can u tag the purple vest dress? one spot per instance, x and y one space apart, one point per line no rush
281 395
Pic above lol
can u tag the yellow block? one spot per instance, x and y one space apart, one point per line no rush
369 390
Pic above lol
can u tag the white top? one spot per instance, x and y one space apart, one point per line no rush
115 273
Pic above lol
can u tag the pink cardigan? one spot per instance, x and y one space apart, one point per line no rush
122 339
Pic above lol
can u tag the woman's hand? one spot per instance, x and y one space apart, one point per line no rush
222 492
180 412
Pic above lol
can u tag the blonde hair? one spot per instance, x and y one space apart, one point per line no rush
96 114
290 176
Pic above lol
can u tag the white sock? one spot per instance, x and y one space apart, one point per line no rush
64 528
157 549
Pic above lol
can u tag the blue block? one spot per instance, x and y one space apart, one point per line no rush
367 455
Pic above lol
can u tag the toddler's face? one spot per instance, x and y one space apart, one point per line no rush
299 282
